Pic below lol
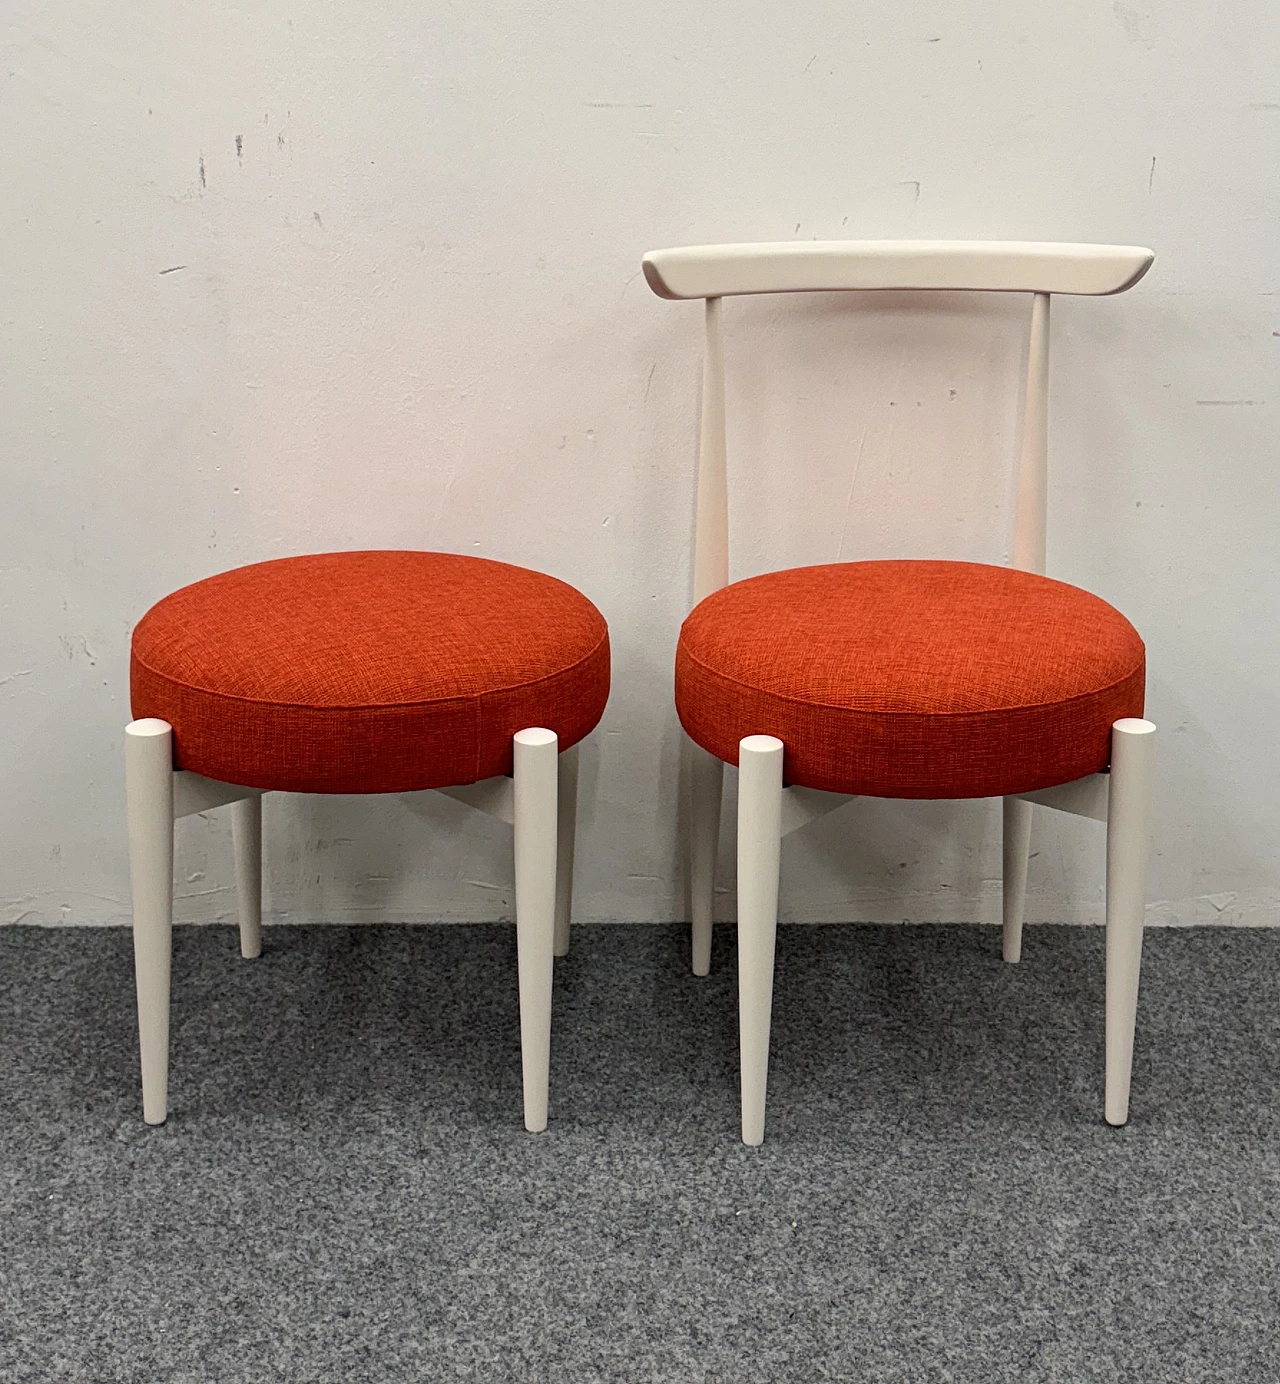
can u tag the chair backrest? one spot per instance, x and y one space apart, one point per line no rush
714 272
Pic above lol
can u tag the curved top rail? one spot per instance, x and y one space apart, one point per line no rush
817 266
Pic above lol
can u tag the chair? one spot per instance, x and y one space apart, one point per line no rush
906 679
362 672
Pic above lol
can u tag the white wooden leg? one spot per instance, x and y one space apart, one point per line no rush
246 831
148 766
536 781
759 855
566 831
1017 845
706 785
1128 842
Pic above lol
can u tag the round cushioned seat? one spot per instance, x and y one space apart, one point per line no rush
368 672
911 679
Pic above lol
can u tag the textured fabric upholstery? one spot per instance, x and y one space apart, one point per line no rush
368 672
911 679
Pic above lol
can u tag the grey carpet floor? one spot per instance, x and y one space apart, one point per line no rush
344 1190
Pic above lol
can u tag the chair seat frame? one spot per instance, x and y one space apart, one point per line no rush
539 801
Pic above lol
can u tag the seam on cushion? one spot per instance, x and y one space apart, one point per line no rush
873 711
903 562
944 562
371 706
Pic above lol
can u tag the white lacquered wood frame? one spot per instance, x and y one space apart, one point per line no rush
834 266
539 801
1120 798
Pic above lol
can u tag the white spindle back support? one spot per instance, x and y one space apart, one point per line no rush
714 272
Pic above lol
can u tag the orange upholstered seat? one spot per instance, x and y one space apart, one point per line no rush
911 679
368 672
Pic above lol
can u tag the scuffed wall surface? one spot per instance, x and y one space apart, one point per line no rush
297 278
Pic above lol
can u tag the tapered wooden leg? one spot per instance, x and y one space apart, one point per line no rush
536 783
759 856
246 832
1017 845
1128 843
566 832
148 766
706 784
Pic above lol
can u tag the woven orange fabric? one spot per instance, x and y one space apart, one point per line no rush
373 672
911 679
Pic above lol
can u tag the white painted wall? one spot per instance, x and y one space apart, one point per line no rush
289 278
